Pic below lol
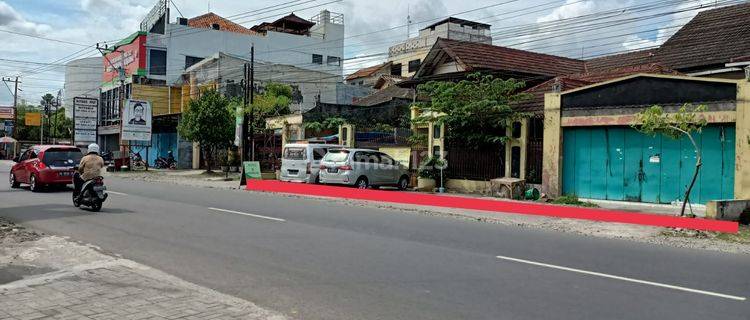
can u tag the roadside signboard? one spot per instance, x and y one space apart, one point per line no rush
85 117
136 120
33 119
7 112
250 171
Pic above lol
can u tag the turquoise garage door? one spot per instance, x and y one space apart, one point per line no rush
620 163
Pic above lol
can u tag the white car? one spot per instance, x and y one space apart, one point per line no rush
300 161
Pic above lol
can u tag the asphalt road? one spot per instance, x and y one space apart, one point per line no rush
312 259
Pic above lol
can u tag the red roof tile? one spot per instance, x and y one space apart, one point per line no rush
478 56
366 72
712 37
207 20
569 82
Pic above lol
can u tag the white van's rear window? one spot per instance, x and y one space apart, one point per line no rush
292 153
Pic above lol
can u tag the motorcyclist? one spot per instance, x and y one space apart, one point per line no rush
89 168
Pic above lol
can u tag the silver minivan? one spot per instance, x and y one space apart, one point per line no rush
362 168
300 161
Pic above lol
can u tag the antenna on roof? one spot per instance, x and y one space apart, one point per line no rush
209 6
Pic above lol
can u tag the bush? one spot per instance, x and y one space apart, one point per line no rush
572 200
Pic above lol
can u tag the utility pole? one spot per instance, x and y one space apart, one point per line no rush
252 100
121 74
15 106
244 123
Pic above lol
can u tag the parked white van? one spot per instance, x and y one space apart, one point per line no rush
300 162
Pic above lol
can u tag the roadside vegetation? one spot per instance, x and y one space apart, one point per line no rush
571 200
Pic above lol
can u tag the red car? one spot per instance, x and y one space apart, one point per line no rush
45 165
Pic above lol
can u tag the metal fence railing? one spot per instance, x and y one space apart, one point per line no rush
475 163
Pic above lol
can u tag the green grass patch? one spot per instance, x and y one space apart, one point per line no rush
742 236
574 201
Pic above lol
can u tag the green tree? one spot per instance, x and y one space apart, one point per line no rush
209 121
61 125
24 132
477 110
274 101
684 122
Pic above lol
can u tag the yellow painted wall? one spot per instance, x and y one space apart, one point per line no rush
742 145
552 162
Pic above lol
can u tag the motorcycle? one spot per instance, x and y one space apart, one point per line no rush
137 163
92 193
166 162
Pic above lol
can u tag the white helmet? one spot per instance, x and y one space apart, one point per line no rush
94 148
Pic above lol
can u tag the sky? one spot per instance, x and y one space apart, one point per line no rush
371 27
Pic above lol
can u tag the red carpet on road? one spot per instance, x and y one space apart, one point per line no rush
499 206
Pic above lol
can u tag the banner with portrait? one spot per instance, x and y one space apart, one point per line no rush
136 120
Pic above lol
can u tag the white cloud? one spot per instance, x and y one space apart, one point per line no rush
11 19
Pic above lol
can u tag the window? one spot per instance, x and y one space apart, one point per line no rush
337 156
333 61
436 151
317 59
295 154
360 157
414 65
516 132
344 134
386 159
319 153
436 131
157 62
62 157
396 69
190 61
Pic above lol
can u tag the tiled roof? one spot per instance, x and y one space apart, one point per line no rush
366 72
634 58
478 56
712 37
568 82
387 80
207 20
385 95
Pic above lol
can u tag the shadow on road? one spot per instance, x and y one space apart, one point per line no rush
53 211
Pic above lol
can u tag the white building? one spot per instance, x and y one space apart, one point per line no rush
83 77
309 86
315 44
407 56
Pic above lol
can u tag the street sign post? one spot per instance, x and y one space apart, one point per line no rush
85 118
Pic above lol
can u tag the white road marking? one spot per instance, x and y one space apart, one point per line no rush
117 193
604 275
248 214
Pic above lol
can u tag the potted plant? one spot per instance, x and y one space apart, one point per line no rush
429 174
234 161
224 163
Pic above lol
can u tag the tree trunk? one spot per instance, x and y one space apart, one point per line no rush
206 157
698 164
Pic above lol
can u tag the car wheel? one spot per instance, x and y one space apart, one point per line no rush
13 182
362 183
33 184
403 183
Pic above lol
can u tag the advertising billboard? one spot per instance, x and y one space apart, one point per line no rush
136 125
130 54
33 119
85 117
